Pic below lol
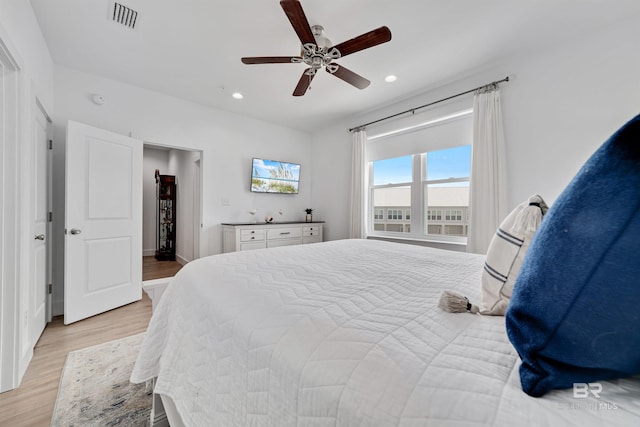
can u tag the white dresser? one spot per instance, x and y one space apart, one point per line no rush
245 236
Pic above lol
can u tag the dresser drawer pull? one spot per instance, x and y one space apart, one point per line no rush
310 234
253 237
287 232
253 231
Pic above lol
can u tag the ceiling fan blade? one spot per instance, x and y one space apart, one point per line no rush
304 83
269 59
293 10
349 76
364 41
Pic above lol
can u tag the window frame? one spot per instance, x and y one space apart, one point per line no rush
418 216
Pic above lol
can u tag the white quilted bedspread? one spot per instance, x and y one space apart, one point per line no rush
347 333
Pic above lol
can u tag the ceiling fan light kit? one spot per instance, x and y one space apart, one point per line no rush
318 52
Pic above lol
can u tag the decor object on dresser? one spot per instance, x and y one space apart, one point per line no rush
309 215
166 217
573 315
242 236
253 213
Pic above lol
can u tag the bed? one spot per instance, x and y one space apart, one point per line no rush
347 333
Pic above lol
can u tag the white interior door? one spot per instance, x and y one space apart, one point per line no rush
39 226
103 235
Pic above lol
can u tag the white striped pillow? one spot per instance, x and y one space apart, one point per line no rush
506 253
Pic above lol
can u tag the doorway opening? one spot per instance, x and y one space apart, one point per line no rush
184 164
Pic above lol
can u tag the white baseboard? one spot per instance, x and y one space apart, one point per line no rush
151 252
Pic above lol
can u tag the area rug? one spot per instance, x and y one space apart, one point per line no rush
95 389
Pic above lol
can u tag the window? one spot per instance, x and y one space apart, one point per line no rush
434 215
446 186
392 182
439 178
453 215
419 176
394 214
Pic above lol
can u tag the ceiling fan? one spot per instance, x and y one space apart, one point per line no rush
317 51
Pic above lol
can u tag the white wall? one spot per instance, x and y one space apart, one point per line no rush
563 103
22 38
153 158
21 26
182 164
227 142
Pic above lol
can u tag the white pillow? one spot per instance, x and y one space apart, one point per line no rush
506 253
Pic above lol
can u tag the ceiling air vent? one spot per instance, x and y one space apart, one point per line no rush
124 15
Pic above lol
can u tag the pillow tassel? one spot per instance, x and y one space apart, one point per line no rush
456 303
529 219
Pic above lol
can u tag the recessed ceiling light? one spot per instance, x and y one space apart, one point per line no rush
237 95
390 78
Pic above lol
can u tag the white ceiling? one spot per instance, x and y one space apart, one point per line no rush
192 48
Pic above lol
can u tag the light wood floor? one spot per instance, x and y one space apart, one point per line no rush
154 269
31 405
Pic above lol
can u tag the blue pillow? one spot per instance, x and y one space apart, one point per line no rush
574 315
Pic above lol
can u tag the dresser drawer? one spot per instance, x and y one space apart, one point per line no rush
276 243
251 235
311 239
284 233
253 245
311 231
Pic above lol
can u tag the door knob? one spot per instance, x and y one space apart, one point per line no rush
76 231
39 237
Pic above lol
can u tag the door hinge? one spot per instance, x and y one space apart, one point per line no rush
50 216
50 288
51 144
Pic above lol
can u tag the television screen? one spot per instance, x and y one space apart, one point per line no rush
269 176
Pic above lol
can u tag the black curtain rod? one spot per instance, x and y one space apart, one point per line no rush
413 110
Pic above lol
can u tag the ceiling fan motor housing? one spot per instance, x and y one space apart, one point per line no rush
318 55
322 42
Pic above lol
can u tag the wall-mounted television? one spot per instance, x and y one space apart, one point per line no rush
271 176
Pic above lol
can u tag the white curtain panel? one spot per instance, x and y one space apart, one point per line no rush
359 184
488 192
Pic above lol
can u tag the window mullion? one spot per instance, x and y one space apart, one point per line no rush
417 214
